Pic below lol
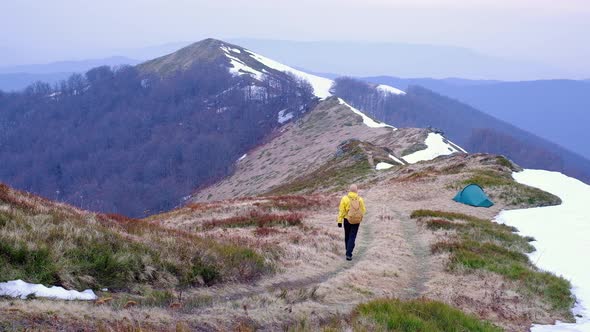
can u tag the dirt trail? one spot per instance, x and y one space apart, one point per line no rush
313 285
364 241
421 255
391 259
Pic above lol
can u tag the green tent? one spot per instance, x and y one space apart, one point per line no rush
473 195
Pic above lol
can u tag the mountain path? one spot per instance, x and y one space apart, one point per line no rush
372 239
366 237
421 254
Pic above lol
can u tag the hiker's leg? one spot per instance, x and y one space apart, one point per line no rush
351 239
346 233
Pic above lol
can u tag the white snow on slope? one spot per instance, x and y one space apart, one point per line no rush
436 147
239 67
321 86
390 89
367 120
284 117
19 288
382 166
561 234
396 159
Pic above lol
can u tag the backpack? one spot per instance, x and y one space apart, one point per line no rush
355 213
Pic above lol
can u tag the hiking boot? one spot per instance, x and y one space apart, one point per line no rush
348 258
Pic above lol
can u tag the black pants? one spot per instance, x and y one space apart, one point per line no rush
350 231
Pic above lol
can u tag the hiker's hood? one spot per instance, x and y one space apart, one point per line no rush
352 195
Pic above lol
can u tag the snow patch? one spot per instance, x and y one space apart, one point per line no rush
367 120
284 117
238 67
321 86
382 166
389 89
19 288
561 233
436 146
396 159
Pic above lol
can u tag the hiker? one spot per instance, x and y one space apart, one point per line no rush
352 210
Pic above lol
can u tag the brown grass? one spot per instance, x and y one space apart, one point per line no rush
256 218
54 244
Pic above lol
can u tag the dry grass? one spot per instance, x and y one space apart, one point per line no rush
256 218
42 242
479 244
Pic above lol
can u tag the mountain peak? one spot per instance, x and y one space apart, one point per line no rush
208 50
239 61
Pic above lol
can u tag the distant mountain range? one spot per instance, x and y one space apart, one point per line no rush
557 110
401 59
18 77
137 139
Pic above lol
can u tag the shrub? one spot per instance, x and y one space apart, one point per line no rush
18 261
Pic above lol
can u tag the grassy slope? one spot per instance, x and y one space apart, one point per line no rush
351 164
43 242
415 315
482 244
512 192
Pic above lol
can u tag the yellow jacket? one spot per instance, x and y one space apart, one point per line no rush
345 205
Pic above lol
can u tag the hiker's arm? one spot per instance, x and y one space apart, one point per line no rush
342 210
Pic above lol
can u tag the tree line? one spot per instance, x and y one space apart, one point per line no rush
124 141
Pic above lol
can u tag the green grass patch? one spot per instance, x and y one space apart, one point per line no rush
96 251
18 261
482 244
350 165
443 214
416 315
503 161
510 191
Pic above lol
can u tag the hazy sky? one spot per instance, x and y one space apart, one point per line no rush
555 32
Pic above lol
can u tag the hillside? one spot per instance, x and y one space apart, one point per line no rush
474 130
56 244
138 140
290 155
135 140
285 267
555 110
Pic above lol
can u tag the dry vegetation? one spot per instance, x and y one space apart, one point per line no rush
469 244
42 242
275 262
